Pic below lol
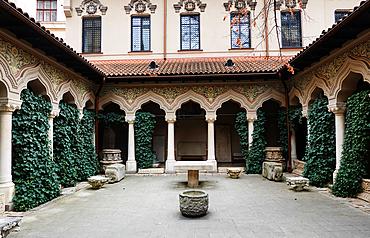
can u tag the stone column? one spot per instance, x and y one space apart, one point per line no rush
171 119
6 183
340 115
131 165
211 118
251 117
293 148
53 114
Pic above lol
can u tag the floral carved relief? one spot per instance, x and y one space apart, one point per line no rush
329 70
210 92
170 94
301 83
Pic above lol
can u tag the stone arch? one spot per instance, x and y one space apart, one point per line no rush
272 94
69 87
88 100
149 97
295 97
190 96
6 77
316 83
233 96
41 83
111 97
350 72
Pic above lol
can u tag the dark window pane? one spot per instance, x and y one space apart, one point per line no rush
339 15
190 32
240 30
291 29
91 35
140 34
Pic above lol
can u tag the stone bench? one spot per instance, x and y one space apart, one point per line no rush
298 183
97 181
193 168
234 172
9 224
115 172
272 170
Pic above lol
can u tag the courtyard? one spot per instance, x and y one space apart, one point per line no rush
148 206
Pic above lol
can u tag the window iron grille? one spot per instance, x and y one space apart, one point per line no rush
291 31
190 32
240 29
91 35
339 15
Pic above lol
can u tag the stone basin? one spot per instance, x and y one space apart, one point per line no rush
193 203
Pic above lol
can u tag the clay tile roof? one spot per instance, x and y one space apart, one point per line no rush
190 66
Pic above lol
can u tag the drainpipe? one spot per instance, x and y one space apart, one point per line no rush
287 122
165 30
266 31
96 118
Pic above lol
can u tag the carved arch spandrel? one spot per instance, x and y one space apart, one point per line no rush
113 98
190 96
230 95
38 73
271 93
88 96
315 83
69 87
294 92
7 77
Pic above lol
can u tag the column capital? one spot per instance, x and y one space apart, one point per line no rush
130 119
54 113
251 116
211 118
305 113
170 118
337 108
9 105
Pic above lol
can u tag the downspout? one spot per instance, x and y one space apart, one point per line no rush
266 31
287 123
96 118
165 30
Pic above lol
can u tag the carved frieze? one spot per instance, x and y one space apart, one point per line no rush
329 70
189 5
140 6
91 7
240 4
290 4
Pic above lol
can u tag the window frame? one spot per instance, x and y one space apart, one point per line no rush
300 39
43 10
141 33
93 40
232 15
340 12
181 24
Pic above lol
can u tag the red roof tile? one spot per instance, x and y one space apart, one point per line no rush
190 66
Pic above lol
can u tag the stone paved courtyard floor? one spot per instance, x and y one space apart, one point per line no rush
147 206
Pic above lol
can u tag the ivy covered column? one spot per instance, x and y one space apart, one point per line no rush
131 166
6 183
339 111
293 148
171 119
53 114
211 118
251 117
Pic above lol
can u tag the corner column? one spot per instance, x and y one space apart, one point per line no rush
171 119
211 118
339 111
131 165
6 183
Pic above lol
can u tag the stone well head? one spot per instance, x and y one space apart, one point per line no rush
193 202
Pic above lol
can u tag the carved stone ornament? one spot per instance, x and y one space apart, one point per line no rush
193 202
189 5
91 7
290 4
240 4
140 6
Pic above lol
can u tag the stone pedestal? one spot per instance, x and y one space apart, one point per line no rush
97 181
115 172
9 224
193 168
110 156
272 171
193 202
275 154
298 183
365 185
234 172
299 167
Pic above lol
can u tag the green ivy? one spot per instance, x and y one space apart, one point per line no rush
144 129
320 154
241 126
257 152
87 163
295 116
66 144
34 172
111 118
357 135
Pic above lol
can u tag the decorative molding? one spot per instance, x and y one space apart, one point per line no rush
240 4
337 108
140 6
291 4
91 7
189 5
9 105
170 120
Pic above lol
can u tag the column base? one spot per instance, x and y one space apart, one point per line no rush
131 166
8 190
294 158
335 175
169 167
214 163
